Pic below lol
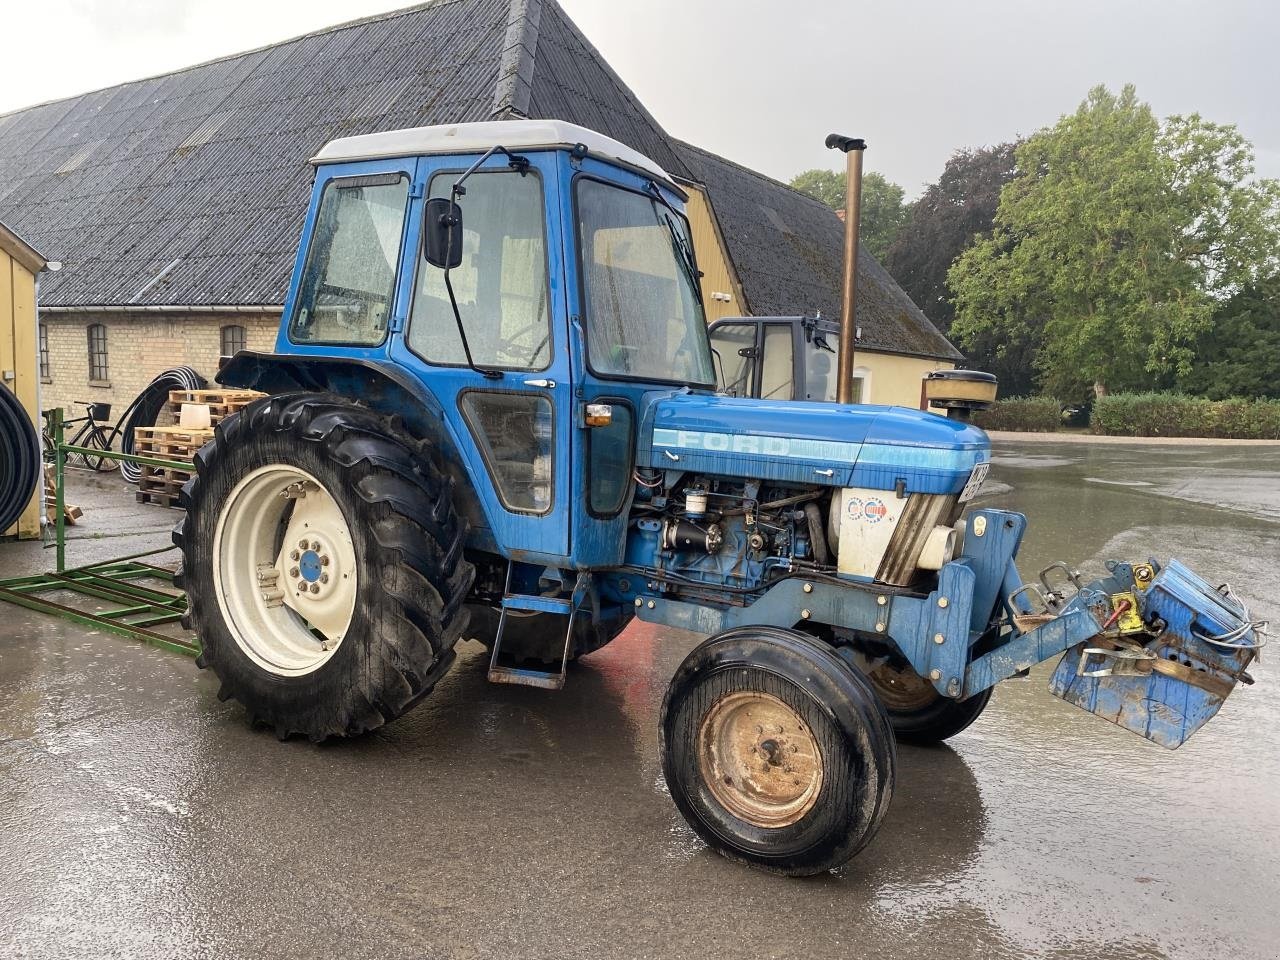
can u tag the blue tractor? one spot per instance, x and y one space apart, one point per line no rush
492 413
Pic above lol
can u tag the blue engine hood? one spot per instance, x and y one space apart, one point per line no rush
797 441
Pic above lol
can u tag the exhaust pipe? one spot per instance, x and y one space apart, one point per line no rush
853 148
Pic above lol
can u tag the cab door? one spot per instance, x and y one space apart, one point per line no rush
510 415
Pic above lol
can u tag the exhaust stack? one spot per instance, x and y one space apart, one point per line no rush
853 148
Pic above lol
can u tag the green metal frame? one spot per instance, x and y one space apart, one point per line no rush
116 581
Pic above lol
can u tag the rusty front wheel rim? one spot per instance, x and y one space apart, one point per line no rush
759 759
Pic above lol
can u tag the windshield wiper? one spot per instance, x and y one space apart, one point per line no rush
685 255
684 250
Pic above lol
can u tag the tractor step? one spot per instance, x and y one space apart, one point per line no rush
565 606
537 604
522 676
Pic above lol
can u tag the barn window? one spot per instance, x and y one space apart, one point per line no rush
234 339
45 373
97 352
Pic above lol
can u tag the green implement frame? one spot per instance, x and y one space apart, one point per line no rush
123 581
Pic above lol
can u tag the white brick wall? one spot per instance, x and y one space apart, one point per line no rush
139 346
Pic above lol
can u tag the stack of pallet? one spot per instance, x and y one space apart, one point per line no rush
161 485
221 403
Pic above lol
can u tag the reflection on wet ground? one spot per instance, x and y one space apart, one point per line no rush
139 816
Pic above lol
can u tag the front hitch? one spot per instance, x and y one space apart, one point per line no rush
1171 649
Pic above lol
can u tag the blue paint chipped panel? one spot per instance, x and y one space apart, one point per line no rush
834 445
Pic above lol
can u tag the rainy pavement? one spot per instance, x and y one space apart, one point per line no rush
141 817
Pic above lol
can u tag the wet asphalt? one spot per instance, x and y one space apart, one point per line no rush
141 817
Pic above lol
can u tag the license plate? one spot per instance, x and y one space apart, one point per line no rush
975 482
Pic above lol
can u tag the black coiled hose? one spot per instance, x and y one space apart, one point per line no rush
19 459
146 407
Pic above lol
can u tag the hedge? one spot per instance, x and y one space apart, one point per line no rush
1177 415
1032 414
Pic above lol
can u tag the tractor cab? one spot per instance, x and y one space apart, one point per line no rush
534 280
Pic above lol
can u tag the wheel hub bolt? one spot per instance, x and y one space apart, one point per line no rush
294 555
302 544
295 572
324 559
324 578
315 588
315 545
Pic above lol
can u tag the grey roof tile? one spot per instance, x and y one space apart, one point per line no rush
208 165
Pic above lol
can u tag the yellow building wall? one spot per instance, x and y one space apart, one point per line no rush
720 291
892 379
18 357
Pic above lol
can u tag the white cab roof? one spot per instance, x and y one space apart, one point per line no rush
465 138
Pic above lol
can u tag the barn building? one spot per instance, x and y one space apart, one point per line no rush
175 203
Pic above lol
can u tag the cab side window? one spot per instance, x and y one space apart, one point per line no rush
501 284
348 283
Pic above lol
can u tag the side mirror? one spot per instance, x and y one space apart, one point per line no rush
439 214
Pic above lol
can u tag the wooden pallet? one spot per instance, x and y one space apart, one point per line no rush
70 512
161 485
170 443
221 403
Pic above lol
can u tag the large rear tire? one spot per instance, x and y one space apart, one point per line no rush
776 751
322 560
539 637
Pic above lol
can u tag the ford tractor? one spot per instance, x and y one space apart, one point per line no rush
492 414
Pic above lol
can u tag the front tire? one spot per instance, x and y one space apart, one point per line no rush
322 560
776 751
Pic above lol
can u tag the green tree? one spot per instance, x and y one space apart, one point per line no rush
946 218
1239 355
825 185
883 209
1114 244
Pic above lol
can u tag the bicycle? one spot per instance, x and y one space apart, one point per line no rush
91 434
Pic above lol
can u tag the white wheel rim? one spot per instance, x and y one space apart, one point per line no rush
288 601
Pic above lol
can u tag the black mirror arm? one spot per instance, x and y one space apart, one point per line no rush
515 162
521 166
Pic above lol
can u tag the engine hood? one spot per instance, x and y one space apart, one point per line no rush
838 445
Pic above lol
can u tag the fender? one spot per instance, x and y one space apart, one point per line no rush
378 384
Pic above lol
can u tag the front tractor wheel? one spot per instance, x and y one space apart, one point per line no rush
776 751
918 712
323 566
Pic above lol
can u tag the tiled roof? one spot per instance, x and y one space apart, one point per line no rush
786 250
190 188
200 177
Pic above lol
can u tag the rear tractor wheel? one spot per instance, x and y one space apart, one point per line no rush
918 712
776 751
322 560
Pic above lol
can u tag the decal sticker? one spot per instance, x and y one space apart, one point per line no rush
875 510
853 508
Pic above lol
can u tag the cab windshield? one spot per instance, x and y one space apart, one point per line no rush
643 311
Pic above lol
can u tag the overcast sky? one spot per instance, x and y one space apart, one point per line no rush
761 81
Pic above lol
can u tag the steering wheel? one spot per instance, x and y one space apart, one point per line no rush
531 328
